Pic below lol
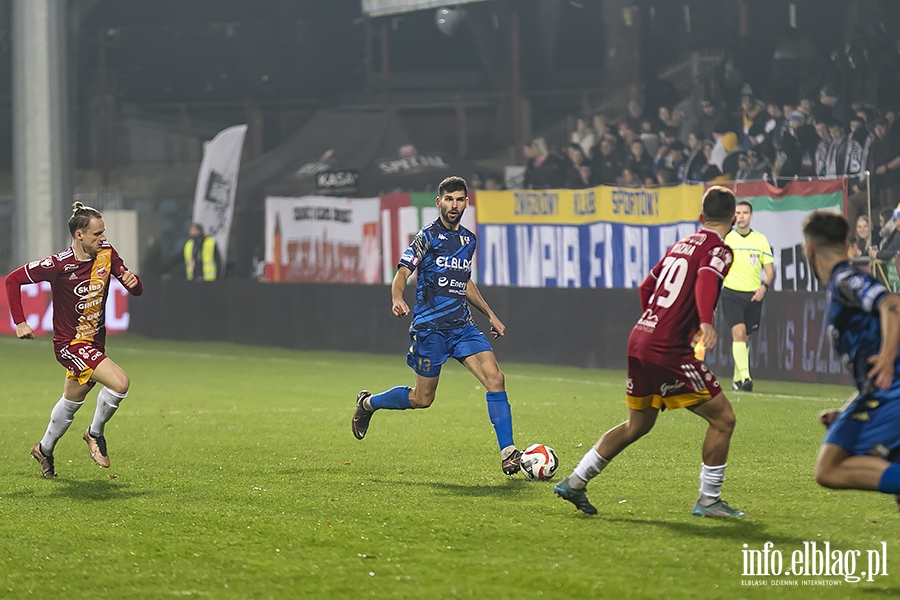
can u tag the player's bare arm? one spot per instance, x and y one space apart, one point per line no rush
474 297
398 287
882 371
766 284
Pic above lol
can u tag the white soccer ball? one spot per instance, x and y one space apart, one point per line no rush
539 462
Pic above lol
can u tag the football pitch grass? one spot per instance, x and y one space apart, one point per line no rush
235 475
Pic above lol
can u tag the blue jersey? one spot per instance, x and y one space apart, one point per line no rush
444 260
853 301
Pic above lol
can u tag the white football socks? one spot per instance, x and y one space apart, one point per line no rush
590 466
711 479
107 403
61 417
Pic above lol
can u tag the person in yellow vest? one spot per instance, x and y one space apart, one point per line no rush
744 289
202 261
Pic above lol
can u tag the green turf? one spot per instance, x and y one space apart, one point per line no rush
235 475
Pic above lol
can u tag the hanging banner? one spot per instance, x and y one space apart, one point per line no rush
323 239
217 183
596 237
778 213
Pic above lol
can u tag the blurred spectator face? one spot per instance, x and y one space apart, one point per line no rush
855 123
476 183
637 149
836 131
862 228
599 124
664 114
742 162
492 183
890 116
580 125
862 115
628 177
752 159
881 130
677 117
575 154
707 151
822 130
746 104
806 106
529 151
693 141
774 111
709 110
635 109
606 146
787 109
628 134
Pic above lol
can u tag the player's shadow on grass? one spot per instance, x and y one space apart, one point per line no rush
100 490
507 488
740 530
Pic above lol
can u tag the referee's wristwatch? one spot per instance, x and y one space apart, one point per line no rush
766 285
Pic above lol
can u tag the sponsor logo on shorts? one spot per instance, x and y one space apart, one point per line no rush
665 388
90 288
629 385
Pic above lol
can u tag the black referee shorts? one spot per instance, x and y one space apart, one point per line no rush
738 309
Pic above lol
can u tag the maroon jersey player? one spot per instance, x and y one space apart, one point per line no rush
665 365
79 280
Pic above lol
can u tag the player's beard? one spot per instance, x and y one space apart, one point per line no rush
445 214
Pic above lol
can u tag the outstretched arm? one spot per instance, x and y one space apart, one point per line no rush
398 286
474 297
14 282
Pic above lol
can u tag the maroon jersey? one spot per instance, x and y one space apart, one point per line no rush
666 329
79 289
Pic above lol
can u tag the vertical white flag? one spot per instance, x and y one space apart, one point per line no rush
217 183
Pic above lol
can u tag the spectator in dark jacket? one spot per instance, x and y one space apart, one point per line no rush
891 245
544 170
606 165
576 174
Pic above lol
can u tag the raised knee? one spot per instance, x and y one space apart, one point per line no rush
120 385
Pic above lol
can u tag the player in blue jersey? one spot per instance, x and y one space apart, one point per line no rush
863 438
442 326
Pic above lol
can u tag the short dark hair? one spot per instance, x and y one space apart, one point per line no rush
81 217
718 204
453 183
745 203
198 226
826 229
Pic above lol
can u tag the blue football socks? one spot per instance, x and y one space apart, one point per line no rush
396 398
890 480
501 418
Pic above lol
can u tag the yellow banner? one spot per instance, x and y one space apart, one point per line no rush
641 206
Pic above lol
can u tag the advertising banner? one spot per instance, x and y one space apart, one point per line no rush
778 213
323 239
38 308
596 237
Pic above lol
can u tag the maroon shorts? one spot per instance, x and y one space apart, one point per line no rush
80 360
669 385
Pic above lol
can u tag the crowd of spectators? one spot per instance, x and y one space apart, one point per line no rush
703 140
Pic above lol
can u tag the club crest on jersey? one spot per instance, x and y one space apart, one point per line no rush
464 240
47 262
101 272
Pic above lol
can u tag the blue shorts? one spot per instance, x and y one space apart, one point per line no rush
869 421
428 350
